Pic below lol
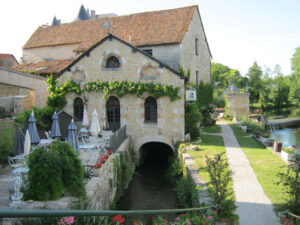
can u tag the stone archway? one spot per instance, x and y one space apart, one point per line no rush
155 153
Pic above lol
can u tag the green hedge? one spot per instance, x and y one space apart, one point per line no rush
6 141
54 172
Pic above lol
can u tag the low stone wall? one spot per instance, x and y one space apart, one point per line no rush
197 180
100 190
7 102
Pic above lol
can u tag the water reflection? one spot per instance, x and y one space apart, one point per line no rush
288 136
150 187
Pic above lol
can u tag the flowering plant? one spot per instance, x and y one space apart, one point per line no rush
101 161
290 149
67 220
119 219
97 165
109 152
266 134
286 219
189 219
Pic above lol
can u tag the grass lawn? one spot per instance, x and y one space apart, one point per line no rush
212 129
210 146
265 164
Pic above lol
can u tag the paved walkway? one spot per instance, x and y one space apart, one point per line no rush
6 184
254 208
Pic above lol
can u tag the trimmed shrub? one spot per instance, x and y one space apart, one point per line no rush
53 172
192 116
220 178
6 141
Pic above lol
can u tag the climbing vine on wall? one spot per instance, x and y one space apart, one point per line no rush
119 88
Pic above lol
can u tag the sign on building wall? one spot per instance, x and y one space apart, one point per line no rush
191 95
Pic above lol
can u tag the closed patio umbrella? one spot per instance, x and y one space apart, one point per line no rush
34 136
55 131
95 128
18 147
72 137
85 120
27 143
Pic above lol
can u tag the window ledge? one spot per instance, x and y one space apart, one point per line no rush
150 124
112 69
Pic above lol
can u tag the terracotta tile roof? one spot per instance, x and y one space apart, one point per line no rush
148 28
5 56
43 67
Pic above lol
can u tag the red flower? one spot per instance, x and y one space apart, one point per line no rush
109 152
118 218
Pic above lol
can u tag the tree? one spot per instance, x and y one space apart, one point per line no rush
226 76
255 85
294 95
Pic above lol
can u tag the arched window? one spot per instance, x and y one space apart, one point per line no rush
150 110
78 109
113 113
112 62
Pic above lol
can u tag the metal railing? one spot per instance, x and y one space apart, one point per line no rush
117 138
25 213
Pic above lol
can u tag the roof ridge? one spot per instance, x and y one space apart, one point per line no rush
101 18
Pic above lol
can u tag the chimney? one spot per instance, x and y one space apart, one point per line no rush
93 14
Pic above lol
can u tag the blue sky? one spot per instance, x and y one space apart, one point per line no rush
238 31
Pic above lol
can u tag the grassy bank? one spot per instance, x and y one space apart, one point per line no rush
265 164
210 146
212 129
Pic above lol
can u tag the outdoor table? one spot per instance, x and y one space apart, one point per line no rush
45 142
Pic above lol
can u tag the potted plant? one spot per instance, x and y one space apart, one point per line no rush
288 153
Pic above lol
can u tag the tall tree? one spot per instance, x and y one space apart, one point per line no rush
255 85
294 95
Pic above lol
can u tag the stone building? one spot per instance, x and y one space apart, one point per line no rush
238 103
148 119
21 91
176 37
8 61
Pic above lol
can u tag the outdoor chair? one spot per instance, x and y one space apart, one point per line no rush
83 134
14 163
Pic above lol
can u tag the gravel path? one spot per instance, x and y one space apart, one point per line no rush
254 208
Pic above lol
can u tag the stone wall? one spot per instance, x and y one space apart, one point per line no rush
7 103
188 58
12 90
168 54
170 124
49 53
238 103
32 82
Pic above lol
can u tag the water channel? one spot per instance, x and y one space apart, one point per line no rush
150 187
288 136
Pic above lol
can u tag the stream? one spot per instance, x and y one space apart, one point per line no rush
150 187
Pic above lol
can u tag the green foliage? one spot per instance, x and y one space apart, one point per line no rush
119 88
254 125
186 74
53 172
123 171
6 141
255 85
192 116
290 179
225 76
204 94
186 191
206 217
220 178
227 115
218 98
42 116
